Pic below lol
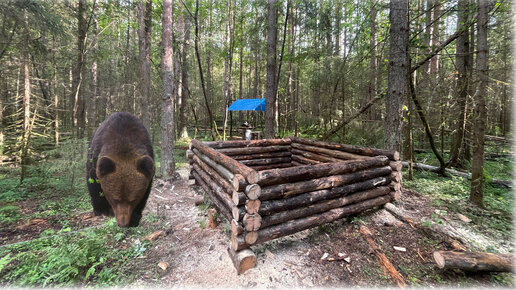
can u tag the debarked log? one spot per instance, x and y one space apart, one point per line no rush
266 161
297 225
392 155
234 166
226 212
322 206
273 206
262 155
247 143
252 150
304 172
289 189
474 262
328 152
314 156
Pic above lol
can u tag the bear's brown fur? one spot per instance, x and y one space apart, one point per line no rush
120 168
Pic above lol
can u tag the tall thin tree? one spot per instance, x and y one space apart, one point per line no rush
271 129
167 99
144 36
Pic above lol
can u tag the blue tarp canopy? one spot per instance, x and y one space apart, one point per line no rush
248 105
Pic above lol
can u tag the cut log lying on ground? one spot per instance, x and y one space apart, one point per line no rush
272 166
289 189
298 173
243 260
266 161
322 206
215 187
234 166
297 225
314 156
329 152
263 155
425 167
474 262
252 150
247 143
392 155
220 206
273 206
304 160
384 262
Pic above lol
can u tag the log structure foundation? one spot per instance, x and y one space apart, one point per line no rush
271 188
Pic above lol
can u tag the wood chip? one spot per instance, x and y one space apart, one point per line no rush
269 254
401 249
155 235
463 218
324 256
163 266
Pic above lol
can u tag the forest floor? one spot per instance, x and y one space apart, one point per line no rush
189 254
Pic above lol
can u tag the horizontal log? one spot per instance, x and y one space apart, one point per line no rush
253 191
272 166
273 206
214 174
266 161
295 163
220 206
328 152
251 237
395 194
224 172
252 206
360 150
252 150
396 165
396 186
297 225
247 143
396 176
217 190
304 160
234 166
238 212
322 206
314 156
239 182
289 189
305 172
189 154
262 155
236 227
242 260
474 262
252 222
238 197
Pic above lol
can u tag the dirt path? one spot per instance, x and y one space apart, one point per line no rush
197 256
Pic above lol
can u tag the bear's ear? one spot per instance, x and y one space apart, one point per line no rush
105 166
145 165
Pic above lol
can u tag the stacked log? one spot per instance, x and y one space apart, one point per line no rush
275 187
305 151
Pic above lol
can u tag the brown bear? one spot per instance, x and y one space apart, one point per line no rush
120 168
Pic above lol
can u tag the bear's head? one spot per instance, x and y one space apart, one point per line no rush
124 182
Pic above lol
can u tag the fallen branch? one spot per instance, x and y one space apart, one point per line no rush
426 167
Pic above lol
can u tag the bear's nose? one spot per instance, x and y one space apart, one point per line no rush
123 215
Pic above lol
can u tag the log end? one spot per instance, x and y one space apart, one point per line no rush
439 259
396 156
253 191
251 237
238 182
242 260
253 177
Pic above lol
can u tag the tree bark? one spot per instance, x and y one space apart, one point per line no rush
474 262
480 114
77 75
167 99
253 150
185 94
92 103
398 70
247 143
270 96
144 35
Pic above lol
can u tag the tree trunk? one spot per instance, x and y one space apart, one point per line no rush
167 101
77 80
185 95
397 77
26 102
92 103
270 96
463 66
144 36
480 115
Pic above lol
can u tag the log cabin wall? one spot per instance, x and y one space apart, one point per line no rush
276 187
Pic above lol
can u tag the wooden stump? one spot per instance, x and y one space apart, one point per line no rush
243 260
